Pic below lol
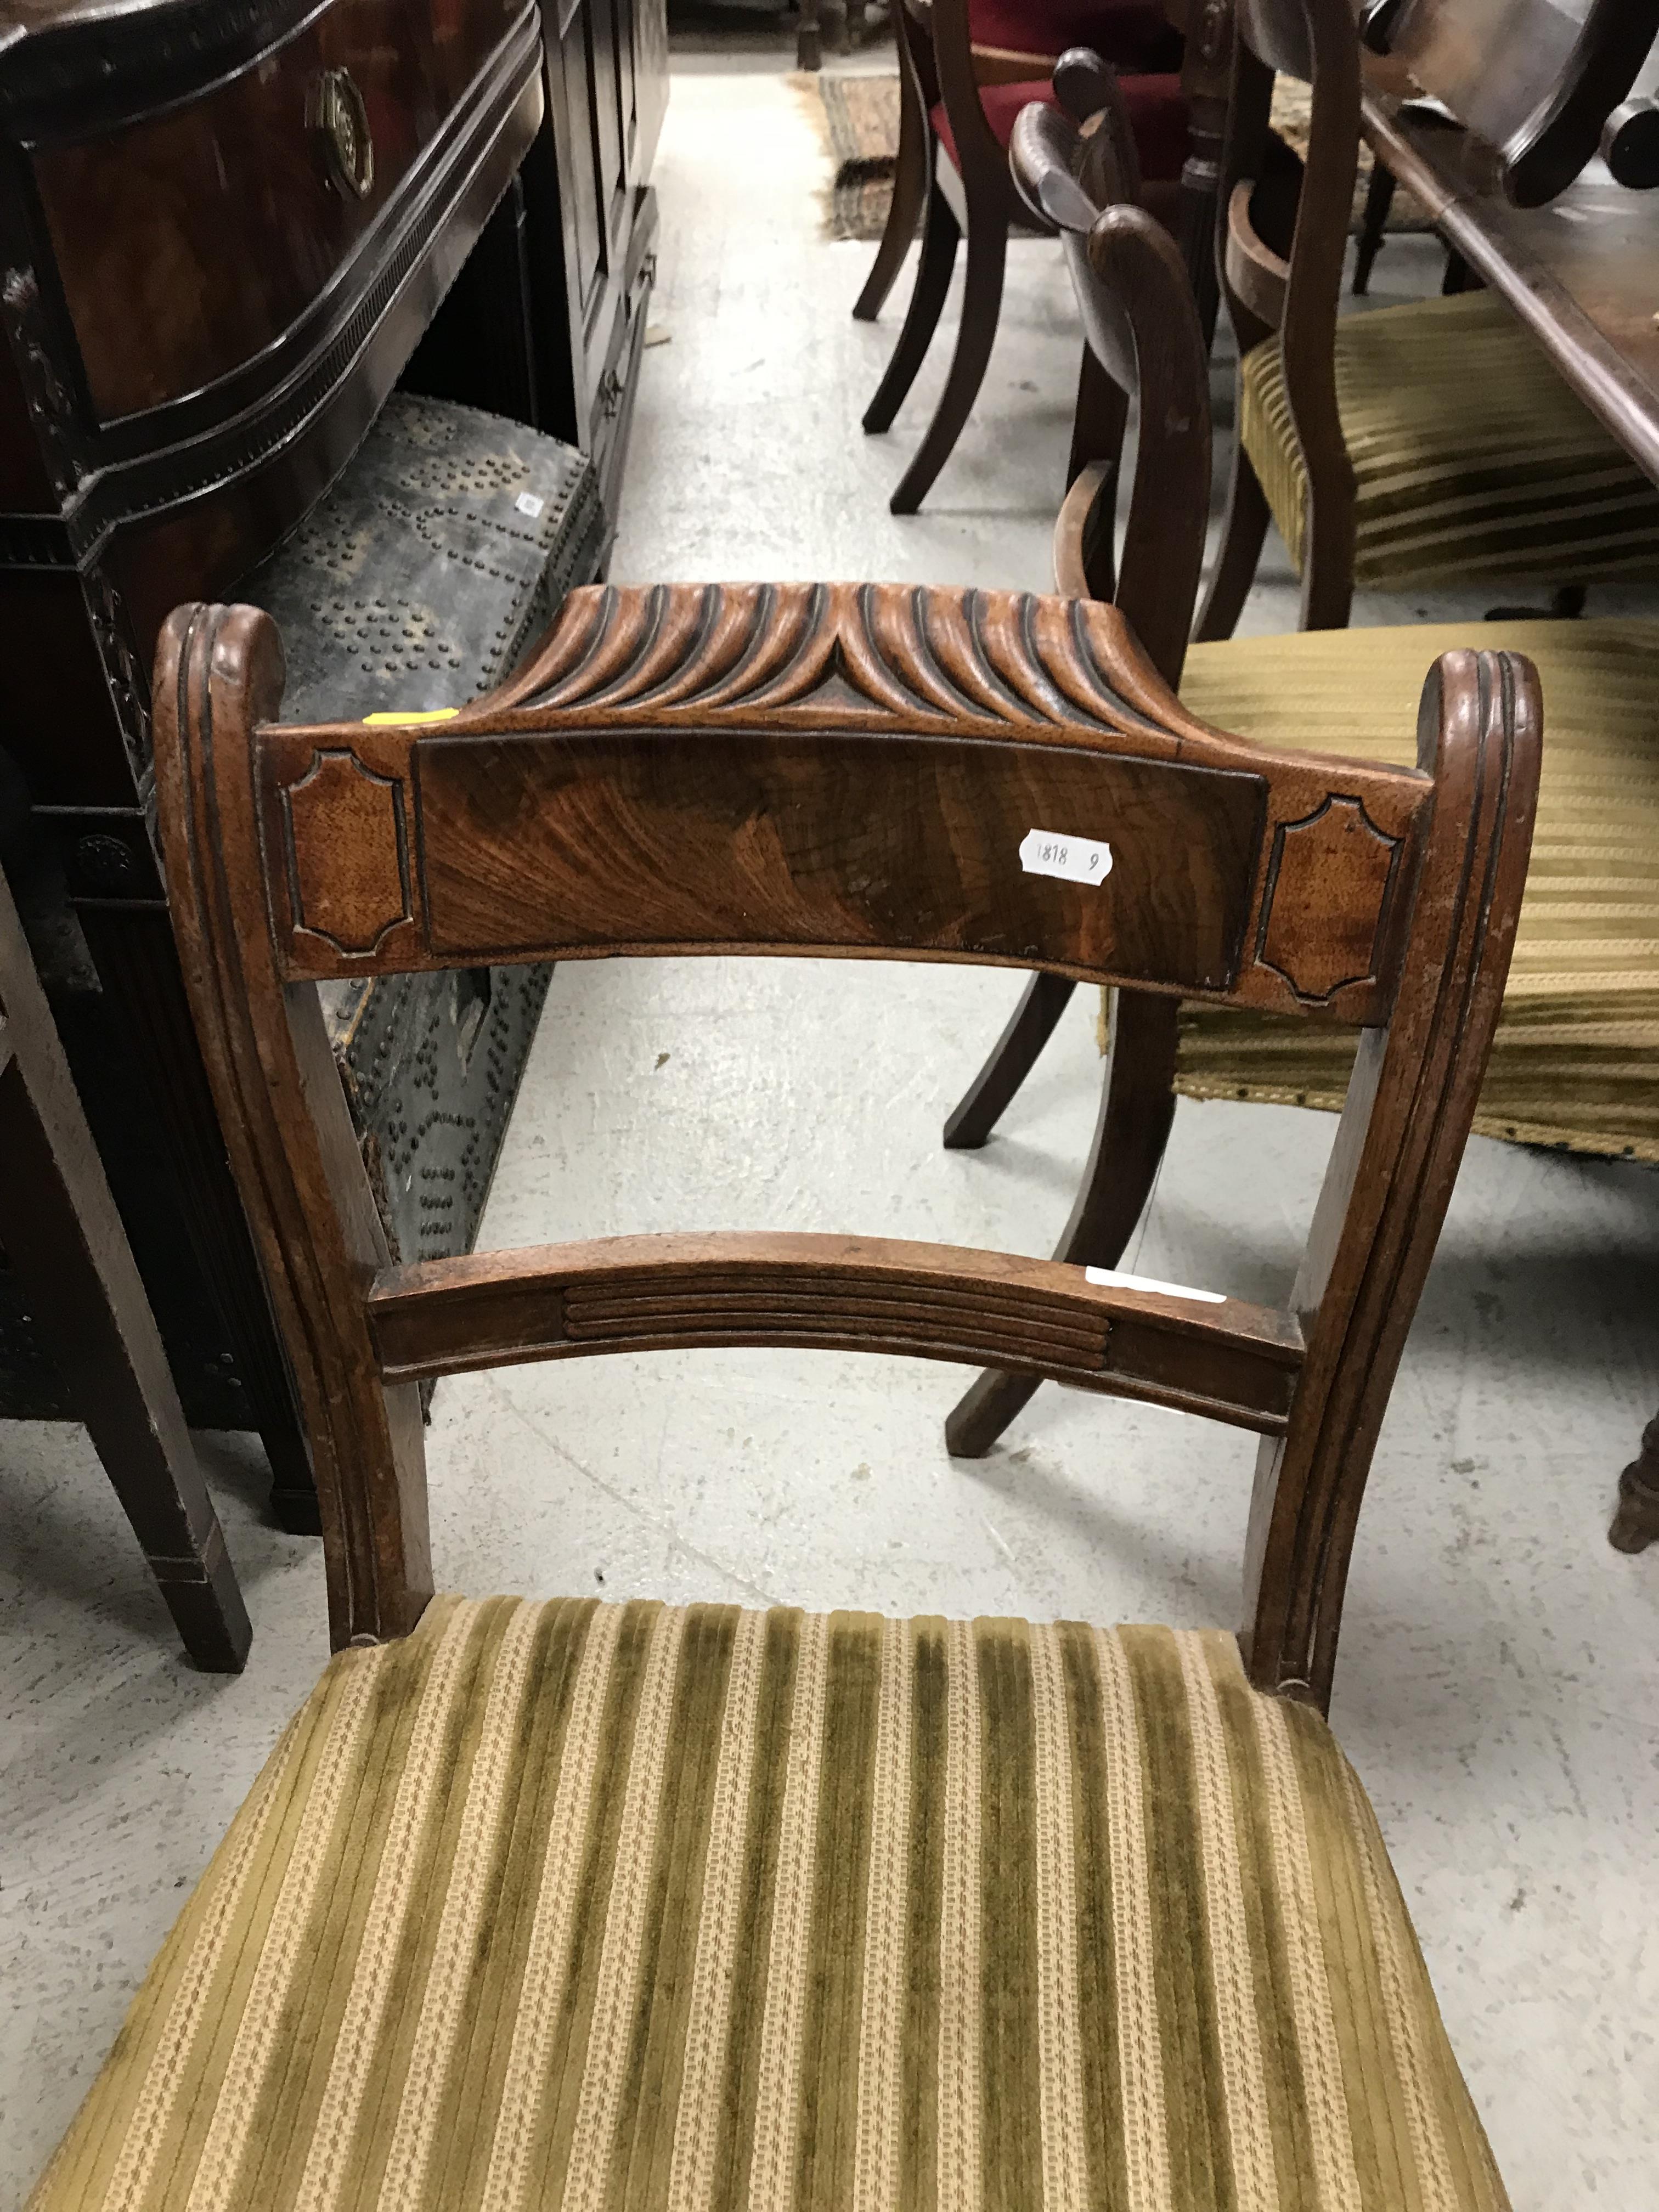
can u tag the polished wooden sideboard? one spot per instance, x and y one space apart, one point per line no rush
548 321
228 229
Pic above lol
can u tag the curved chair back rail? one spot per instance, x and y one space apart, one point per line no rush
858 771
1285 233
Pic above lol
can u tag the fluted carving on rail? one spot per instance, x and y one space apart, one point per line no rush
719 652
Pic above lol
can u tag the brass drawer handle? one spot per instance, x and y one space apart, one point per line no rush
335 110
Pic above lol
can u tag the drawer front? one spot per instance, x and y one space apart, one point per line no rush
189 241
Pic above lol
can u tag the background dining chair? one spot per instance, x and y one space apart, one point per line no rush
61 1237
958 106
1572 1059
1424 443
631 1903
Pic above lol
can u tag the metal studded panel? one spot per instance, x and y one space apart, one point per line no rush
440 556
420 581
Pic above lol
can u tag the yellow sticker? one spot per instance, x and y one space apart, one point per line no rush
420 715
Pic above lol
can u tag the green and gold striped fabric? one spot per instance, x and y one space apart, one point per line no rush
581 1906
1471 456
1576 1059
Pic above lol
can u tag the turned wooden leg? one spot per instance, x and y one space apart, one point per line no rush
63 1237
1636 1522
1242 534
981 304
1137 1105
940 240
1379 198
911 172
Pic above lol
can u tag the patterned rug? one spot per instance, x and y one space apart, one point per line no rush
857 116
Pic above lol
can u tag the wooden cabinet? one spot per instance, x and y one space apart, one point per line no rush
548 319
607 87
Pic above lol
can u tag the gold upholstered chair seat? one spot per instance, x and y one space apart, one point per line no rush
1576 1059
1471 456
582 1904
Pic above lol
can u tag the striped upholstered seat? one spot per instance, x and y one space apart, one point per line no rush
1470 454
583 1905
1575 1061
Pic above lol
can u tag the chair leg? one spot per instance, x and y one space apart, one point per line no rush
981 304
1013 1056
940 240
910 173
1635 1523
1137 1105
1379 199
62 1234
809 43
1242 537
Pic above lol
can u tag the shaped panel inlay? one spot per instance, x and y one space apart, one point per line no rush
1323 911
347 856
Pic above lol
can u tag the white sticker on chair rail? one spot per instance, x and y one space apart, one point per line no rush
1073 859
1110 1279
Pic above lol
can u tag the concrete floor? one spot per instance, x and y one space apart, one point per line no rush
1499 1679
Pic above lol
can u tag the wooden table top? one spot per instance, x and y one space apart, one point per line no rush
1583 273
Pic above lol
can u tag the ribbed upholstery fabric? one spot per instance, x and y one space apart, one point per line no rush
1157 108
581 1905
1471 456
1575 1061
1129 34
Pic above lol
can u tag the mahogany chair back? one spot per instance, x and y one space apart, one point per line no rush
1536 79
1143 329
1282 235
852 771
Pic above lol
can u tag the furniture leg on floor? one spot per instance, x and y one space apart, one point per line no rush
61 1232
1635 1523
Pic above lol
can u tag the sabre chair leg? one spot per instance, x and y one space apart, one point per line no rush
981 304
1379 198
940 240
1013 1056
1243 535
1137 1105
910 175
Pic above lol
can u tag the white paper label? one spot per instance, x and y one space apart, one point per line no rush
1073 859
1109 1279
527 503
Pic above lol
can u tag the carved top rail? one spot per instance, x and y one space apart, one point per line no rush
856 770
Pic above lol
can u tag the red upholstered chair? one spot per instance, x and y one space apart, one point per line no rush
966 68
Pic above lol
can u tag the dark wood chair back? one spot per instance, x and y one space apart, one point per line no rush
1143 328
1283 233
854 771
1536 79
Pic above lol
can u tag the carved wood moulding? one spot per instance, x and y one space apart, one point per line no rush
837 769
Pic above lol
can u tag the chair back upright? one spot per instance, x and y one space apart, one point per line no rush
1142 327
852 771
1283 223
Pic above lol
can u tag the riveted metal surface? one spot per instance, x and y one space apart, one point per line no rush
419 582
